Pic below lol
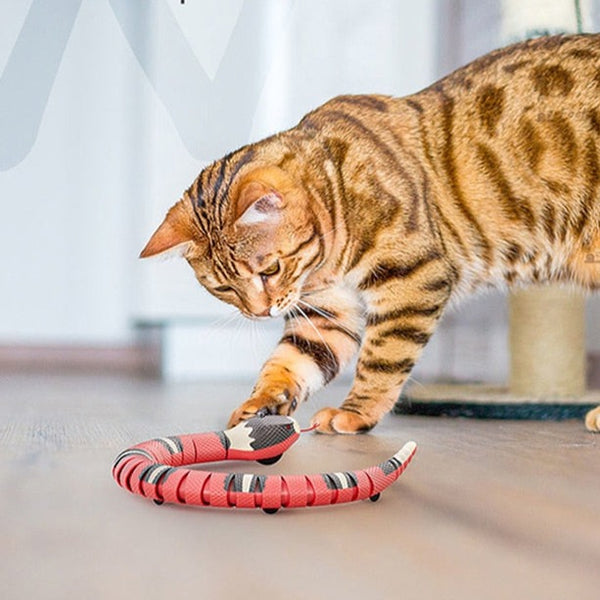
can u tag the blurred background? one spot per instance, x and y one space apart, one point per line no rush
108 111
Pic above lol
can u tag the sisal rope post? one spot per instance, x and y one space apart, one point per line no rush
547 342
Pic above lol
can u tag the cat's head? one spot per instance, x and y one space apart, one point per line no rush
248 232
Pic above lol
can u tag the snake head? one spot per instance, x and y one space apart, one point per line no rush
260 437
271 430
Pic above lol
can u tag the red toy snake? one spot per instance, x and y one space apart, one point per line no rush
154 469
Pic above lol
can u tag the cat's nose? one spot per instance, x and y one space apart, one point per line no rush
272 311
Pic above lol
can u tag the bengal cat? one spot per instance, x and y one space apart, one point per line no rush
359 225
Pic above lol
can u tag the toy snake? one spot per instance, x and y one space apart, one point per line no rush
154 469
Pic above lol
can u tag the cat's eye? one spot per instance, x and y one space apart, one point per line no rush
223 288
272 270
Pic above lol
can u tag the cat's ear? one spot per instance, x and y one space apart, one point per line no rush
174 237
258 204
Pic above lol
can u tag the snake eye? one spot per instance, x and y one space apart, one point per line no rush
272 270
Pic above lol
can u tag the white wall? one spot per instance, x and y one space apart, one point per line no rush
67 192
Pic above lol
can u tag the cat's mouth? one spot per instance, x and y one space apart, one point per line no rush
265 315
273 312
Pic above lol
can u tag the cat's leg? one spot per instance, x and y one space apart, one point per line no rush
320 338
402 313
592 420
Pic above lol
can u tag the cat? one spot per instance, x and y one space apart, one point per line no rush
361 223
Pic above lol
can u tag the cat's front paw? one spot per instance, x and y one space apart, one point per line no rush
338 420
260 406
592 420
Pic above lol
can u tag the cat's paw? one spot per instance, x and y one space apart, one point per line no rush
592 420
338 420
260 406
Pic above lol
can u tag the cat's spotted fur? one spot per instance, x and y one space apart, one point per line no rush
362 222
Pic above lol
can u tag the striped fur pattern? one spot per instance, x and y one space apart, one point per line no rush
364 221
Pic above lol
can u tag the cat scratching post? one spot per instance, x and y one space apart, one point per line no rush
546 323
547 342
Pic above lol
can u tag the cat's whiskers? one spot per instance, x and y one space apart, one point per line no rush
260 340
296 317
319 334
319 311
253 337
226 320
327 316
239 325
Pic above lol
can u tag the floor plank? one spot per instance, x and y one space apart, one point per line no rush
488 509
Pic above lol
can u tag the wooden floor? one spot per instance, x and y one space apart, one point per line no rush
488 509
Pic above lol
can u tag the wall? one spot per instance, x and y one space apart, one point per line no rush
69 171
